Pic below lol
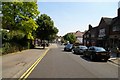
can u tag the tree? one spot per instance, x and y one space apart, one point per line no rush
70 37
46 29
53 34
20 16
19 19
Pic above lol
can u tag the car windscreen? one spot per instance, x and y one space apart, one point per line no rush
99 49
83 47
69 45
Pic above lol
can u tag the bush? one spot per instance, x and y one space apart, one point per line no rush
11 47
14 41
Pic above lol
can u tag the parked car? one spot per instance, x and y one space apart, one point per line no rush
68 47
79 49
97 53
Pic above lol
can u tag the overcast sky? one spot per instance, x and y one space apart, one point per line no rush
73 16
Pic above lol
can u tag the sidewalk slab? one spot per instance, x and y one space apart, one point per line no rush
115 61
14 65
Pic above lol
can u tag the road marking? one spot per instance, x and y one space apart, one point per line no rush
28 72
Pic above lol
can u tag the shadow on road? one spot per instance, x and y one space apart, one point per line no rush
87 59
66 51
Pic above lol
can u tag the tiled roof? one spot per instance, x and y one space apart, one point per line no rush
107 20
79 34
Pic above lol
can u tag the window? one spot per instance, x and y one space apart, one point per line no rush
116 28
102 33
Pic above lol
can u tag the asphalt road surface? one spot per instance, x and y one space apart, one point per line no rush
60 64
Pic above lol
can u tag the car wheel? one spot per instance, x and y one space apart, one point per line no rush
84 55
105 60
64 49
72 51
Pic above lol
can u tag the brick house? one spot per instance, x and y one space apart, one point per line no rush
106 34
115 31
94 35
103 32
86 38
99 35
90 36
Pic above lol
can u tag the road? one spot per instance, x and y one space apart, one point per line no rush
60 64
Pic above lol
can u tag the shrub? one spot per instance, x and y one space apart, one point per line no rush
12 47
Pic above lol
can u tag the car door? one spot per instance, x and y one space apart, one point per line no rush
80 49
77 48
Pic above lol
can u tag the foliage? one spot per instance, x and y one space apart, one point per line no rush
62 40
18 23
46 29
11 47
8 36
20 16
70 37
27 27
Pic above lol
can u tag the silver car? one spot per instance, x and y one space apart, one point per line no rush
79 49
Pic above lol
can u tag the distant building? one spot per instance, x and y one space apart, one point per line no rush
79 36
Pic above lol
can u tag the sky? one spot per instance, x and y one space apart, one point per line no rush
74 16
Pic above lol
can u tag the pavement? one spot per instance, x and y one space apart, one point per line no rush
15 64
114 59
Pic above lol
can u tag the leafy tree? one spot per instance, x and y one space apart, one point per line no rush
70 37
19 19
20 16
53 35
11 35
46 29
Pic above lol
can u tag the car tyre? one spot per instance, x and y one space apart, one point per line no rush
73 51
64 49
84 55
105 60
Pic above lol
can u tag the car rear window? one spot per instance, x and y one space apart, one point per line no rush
83 47
99 49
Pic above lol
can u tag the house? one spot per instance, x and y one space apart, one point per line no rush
114 38
99 35
79 36
103 32
90 36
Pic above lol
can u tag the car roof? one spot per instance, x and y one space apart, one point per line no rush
82 46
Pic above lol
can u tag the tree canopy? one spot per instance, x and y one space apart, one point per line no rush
20 16
70 37
46 29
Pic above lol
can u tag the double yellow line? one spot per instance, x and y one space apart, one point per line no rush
28 72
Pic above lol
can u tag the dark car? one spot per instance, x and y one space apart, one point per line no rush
79 49
68 47
97 53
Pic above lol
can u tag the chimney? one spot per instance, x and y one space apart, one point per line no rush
90 27
119 9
